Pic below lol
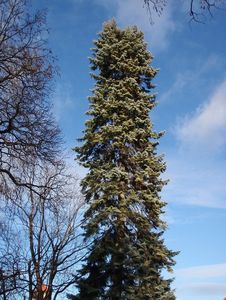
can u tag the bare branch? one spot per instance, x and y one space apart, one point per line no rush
196 8
51 241
27 128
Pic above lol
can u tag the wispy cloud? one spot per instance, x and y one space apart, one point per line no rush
62 100
195 182
202 280
192 77
73 165
195 169
207 126
203 272
204 289
133 12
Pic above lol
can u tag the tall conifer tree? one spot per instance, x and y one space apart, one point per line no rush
122 186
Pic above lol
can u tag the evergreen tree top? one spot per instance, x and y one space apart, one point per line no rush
121 53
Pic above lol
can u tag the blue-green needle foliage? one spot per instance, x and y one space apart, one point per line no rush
123 221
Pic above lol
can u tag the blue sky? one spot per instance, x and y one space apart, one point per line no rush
191 87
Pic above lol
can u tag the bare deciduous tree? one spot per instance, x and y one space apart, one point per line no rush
27 128
39 233
46 234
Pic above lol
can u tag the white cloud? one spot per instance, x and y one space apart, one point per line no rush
73 166
207 127
206 280
62 100
195 169
194 181
133 12
210 289
192 77
203 272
